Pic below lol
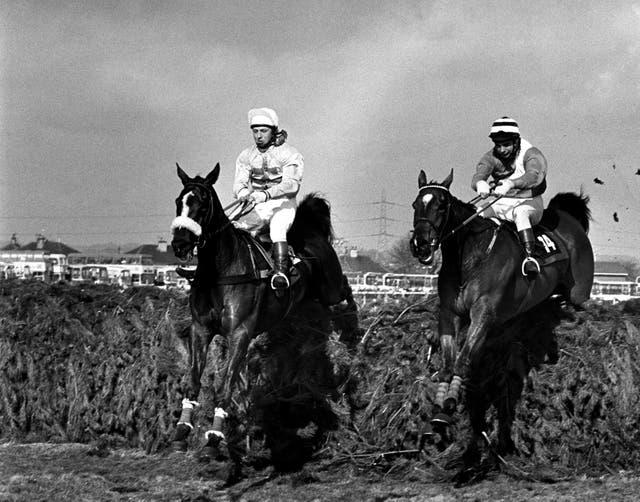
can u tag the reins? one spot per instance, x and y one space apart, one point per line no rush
246 205
474 215
496 198
246 202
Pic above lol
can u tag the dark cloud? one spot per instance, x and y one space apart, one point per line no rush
101 98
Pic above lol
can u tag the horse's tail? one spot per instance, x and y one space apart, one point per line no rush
574 204
313 219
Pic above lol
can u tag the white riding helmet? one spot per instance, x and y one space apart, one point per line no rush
504 126
263 117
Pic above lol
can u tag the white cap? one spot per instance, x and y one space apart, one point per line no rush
263 117
504 125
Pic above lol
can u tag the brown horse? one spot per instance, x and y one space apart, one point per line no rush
230 294
480 284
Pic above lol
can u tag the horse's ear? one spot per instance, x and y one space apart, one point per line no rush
182 175
447 181
212 177
422 179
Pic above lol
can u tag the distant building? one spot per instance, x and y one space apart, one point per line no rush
43 244
13 243
161 253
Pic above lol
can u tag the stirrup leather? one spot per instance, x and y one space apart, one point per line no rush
279 275
529 259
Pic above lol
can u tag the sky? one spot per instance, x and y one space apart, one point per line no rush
100 99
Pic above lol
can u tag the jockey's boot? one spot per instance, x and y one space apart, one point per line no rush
279 279
530 266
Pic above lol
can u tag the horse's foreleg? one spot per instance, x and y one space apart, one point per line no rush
481 320
448 329
197 344
239 338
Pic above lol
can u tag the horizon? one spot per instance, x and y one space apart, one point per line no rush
124 247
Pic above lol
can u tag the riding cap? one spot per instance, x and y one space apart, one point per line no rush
504 126
263 117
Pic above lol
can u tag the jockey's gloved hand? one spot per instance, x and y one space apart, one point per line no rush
258 197
503 187
483 188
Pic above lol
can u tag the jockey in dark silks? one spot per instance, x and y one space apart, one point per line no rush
520 170
270 173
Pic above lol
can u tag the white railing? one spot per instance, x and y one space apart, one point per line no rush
370 286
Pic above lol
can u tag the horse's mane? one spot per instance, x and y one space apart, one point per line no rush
313 219
574 204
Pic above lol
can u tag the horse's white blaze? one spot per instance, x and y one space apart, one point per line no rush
183 221
185 205
427 199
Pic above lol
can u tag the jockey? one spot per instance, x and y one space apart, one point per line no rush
520 170
270 173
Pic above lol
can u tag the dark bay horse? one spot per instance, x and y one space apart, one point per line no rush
229 297
480 284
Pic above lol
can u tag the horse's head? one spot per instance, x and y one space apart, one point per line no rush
197 209
431 211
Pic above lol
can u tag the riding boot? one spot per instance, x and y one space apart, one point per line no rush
281 263
530 266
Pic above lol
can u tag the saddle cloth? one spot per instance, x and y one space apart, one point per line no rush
548 247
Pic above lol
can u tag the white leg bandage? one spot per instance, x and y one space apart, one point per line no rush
187 409
218 420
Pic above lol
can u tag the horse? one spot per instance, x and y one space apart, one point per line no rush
230 294
480 284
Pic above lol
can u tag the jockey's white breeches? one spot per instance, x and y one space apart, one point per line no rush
279 214
523 212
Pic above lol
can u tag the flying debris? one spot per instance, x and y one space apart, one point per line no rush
638 172
598 181
615 217
614 166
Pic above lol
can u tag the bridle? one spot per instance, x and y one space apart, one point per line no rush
206 234
421 219
441 238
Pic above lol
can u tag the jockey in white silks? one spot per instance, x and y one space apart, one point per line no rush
520 170
270 173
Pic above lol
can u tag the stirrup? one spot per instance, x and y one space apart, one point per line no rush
279 275
530 259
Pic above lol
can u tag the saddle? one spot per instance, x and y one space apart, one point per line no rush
306 262
549 247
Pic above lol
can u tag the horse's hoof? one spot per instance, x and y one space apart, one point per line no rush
178 446
209 454
212 451
181 434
